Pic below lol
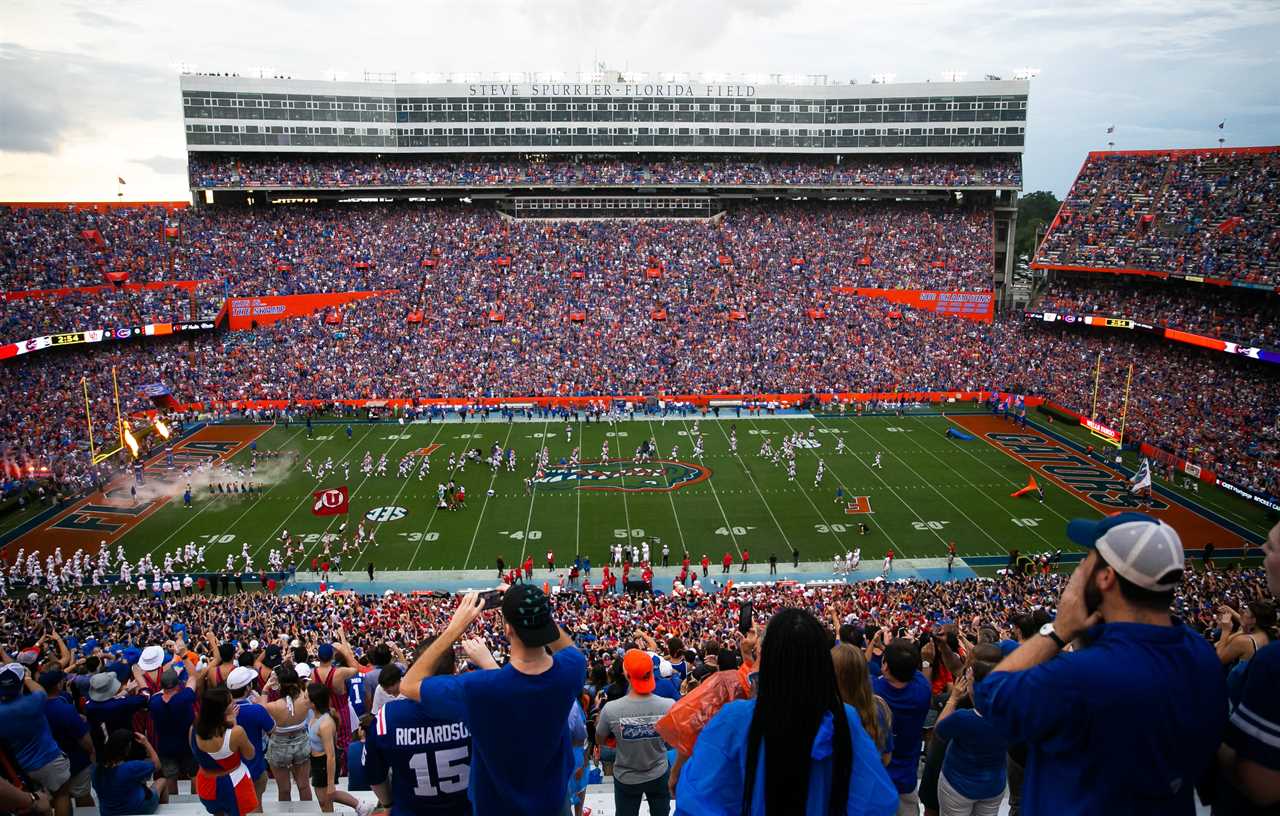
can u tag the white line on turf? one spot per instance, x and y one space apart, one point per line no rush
675 515
209 503
873 472
434 495
533 497
835 475
306 497
728 525
931 486
626 509
977 459
351 496
763 500
396 501
483 505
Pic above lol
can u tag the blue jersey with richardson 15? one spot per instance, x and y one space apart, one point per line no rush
429 760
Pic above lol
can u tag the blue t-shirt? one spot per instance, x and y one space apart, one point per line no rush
355 692
429 760
519 724
173 719
1253 729
255 721
110 715
120 789
910 706
976 756
357 778
666 687
1126 725
711 781
24 729
68 728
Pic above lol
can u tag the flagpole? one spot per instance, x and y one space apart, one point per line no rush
1125 412
1097 374
88 418
115 386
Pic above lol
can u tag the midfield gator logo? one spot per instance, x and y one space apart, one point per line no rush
624 476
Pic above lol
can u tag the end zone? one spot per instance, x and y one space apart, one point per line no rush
1093 481
109 514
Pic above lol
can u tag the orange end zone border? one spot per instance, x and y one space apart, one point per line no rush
110 514
1092 481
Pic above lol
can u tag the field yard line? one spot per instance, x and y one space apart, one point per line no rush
626 509
435 507
396 501
763 500
892 542
728 525
208 504
873 472
1003 477
533 496
674 514
304 500
954 506
352 494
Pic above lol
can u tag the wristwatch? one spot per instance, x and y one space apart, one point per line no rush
1048 631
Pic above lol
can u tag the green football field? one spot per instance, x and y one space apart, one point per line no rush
929 490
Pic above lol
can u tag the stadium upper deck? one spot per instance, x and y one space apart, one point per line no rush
608 115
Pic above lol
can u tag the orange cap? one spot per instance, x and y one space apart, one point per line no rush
638 667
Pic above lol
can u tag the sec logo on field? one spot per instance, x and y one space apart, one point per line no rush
381 514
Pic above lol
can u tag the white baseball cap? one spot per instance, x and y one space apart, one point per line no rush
1142 549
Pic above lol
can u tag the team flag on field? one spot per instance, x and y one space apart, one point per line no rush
331 502
1142 479
1030 488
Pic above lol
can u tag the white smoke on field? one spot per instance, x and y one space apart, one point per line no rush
171 484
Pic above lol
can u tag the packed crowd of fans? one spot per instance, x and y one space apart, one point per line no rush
1246 317
1211 212
286 250
110 696
1215 410
207 171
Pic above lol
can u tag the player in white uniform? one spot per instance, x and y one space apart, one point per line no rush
840 446
876 463
817 479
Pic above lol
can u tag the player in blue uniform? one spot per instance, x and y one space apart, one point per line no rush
428 759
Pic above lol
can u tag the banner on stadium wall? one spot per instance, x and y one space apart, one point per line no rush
101 335
1176 335
979 306
243 313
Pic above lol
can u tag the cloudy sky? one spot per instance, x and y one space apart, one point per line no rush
89 90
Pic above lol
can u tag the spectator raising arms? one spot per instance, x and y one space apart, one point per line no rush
796 747
525 768
1128 719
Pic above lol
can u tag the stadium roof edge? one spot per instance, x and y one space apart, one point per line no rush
1188 151
514 88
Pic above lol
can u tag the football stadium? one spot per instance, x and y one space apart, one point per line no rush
660 417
